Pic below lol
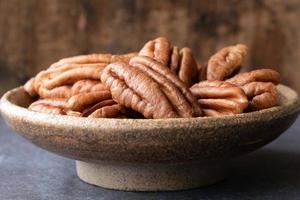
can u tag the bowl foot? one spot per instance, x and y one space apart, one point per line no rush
151 177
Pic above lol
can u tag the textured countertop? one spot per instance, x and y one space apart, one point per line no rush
28 172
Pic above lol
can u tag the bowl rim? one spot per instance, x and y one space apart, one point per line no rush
8 108
151 140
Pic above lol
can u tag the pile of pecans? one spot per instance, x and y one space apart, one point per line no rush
160 81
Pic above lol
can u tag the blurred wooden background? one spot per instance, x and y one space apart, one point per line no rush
36 33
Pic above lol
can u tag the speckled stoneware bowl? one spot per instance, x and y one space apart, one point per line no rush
150 155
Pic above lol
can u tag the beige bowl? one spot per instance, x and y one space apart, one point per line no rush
148 154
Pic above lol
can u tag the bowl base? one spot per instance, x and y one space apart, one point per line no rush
151 177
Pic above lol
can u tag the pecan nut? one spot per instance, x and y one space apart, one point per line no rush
104 109
261 95
94 59
133 89
59 102
181 62
260 75
87 85
176 91
259 86
187 67
107 112
74 75
29 87
67 71
88 111
58 92
226 62
159 49
202 71
67 91
53 106
81 101
44 108
218 98
56 83
174 60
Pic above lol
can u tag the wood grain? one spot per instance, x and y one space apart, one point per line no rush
36 33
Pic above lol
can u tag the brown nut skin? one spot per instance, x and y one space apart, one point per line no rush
73 113
225 62
174 60
123 57
94 58
70 70
87 85
43 108
159 49
261 95
219 98
112 111
61 77
181 62
74 75
260 75
178 94
55 102
58 92
81 101
29 88
202 71
53 106
133 89
88 111
187 67
259 86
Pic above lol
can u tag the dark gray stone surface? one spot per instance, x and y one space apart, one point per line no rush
28 172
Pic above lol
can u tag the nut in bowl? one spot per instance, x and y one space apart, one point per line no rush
133 123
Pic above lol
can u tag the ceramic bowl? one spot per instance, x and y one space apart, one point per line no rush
150 154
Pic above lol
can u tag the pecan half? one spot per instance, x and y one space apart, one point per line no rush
218 98
74 75
53 106
159 49
133 89
174 62
55 102
181 62
87 86
187 67
104 109
260 75
261 95
68 71
225 62
58 92
94 58
29 88
202 71
81 101
66 74
43 108
259 86
88 111
107 112
178 94
110 109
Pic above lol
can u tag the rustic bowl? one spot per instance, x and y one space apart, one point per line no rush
150 154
